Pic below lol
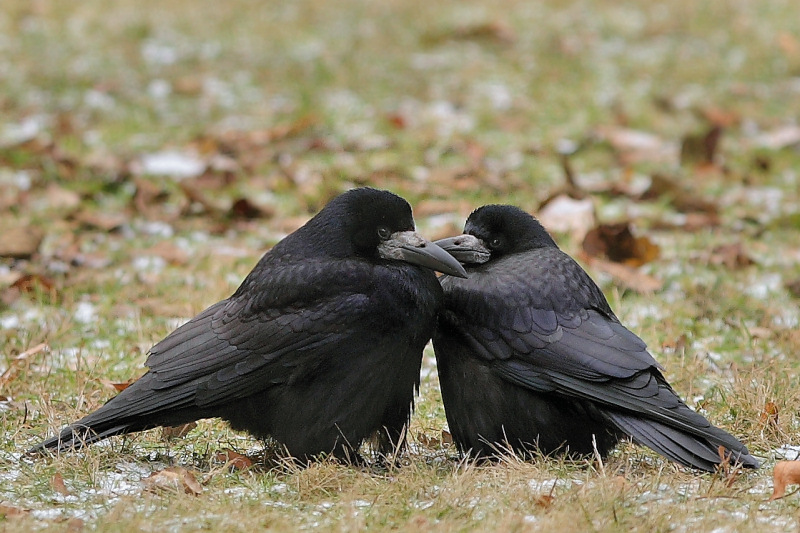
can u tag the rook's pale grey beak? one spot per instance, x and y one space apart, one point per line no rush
410 247
467 248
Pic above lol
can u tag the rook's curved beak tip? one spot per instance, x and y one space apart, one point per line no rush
408 246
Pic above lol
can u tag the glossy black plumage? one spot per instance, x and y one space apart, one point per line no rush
319 348
531 356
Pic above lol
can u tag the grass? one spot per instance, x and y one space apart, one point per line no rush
451 105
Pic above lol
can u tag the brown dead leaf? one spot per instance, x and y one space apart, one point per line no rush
785 473
732 256
188 85
173 479
398 120
15 364
10 511
544 501
635 146
196 195
627 276
493 31
717 116
430 442
701 148
75 524
21 242
119 387
60 198
168 251
566 214
793 287
234 460
177 432
782 137
36 284
789 45
244 208
683 200
677 345
447 438
58 484
769 415
617 243
100 220
148 197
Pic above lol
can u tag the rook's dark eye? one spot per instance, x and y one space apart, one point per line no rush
495 243
384 233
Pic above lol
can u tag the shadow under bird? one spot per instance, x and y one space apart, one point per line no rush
319 348
532 358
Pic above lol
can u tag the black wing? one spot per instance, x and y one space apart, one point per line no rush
277 331
540 322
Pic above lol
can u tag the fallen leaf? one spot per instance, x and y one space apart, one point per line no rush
794 287
58 484
447 438
789 44
244 208
718 116
769 415
785 473
177 432
148 197
188 85
732 256
566 214
431 207
496 31
168 251
676 345
60 198
119 387
100 220
544 500
627 276
20 242
75 524
617 243
430 442
398 120
35 284
234 460
683 200
15 363
173 479
779 138
701 148
635 146
9 511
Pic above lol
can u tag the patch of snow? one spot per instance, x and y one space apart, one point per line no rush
159 89
764 286
85 313
100 344
158 54
10 322
95 99
787 452
155 228
149 263
20 132
172 163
